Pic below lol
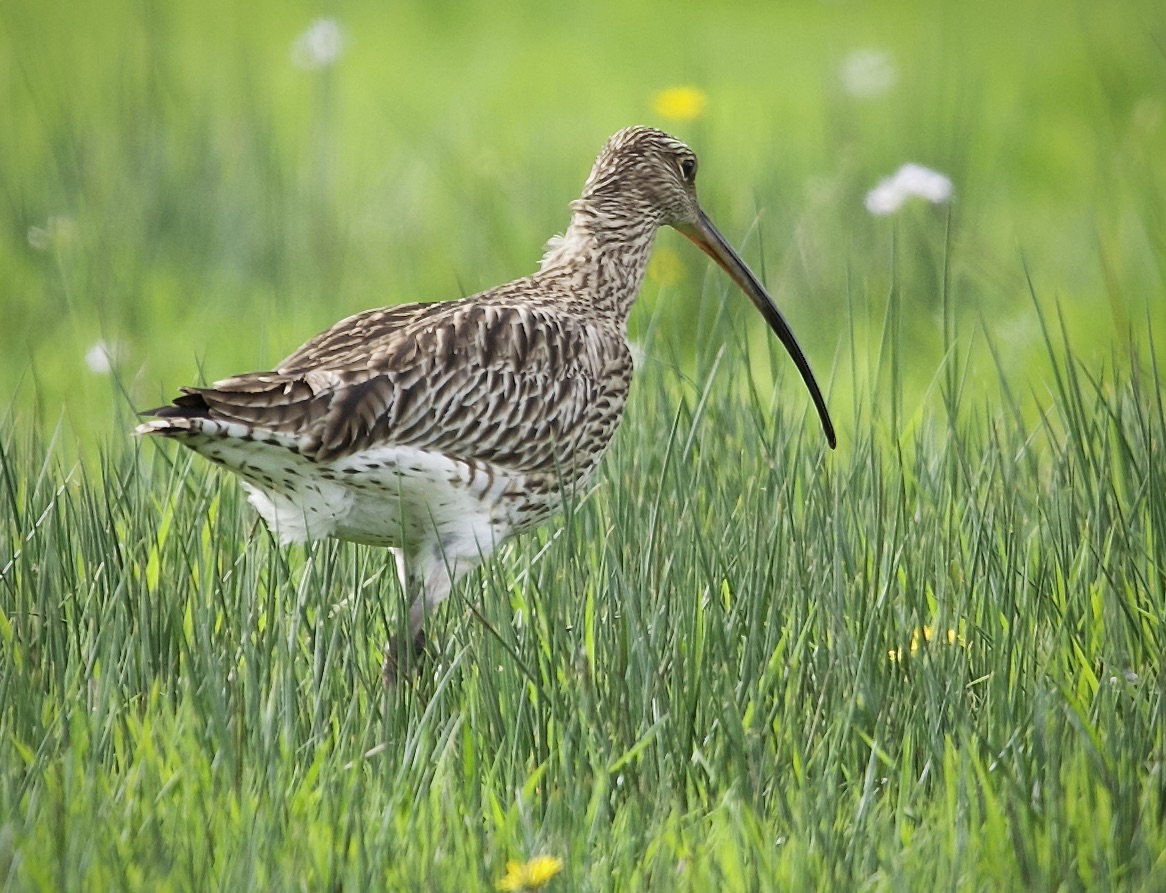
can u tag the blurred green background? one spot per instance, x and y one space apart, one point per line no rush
185 196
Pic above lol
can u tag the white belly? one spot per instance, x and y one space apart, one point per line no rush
388 496
395 496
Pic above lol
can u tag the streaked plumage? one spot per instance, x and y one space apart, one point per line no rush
442 429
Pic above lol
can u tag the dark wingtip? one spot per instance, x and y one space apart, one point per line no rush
191 405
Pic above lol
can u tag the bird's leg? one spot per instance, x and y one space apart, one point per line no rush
427 578
402 652
427 582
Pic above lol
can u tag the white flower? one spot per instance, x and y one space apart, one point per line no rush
57 232
40 238
639 355
909 181
868 73
99 358
320 46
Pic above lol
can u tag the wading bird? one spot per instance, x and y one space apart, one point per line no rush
440 430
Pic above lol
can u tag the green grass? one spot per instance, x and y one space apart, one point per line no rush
691 685
714 673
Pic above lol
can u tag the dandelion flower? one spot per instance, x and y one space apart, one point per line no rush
868 73
665 268
921 636
530 875
680 103
909 181
320 46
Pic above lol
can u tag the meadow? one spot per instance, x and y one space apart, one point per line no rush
930 659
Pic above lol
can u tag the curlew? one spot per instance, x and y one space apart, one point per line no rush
439 430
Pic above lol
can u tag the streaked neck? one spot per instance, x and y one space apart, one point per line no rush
603 255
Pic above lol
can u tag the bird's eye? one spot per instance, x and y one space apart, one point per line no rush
688 169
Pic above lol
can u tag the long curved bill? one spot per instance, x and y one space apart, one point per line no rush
706 237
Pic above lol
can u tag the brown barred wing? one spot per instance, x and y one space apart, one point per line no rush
528 388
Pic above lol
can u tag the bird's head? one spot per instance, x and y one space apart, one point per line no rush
643 173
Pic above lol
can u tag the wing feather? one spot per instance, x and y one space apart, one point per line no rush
508 382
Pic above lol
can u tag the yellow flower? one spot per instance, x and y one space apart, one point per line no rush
665 267
531 875
921 636
680 103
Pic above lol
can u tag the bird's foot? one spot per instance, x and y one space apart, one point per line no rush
402 656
